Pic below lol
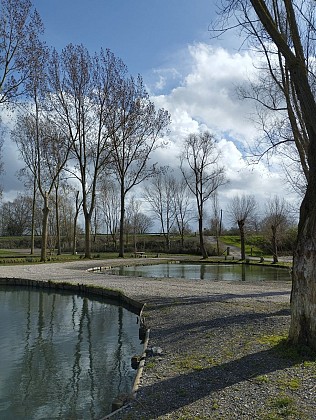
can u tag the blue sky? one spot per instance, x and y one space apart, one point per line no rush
144 34
186 72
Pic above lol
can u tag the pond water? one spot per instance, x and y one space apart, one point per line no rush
63 355
213 272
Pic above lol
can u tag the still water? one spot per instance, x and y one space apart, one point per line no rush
63 355
213 272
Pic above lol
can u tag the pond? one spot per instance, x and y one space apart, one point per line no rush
63 355
212 272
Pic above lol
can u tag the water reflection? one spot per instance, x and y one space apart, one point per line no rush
62 355
213 272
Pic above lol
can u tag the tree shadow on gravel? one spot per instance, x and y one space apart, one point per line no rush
171 394
189 300
203 325
201 314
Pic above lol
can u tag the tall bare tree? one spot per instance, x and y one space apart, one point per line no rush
48 157
137 128
289 26
20 29
241 210
84 90
200 166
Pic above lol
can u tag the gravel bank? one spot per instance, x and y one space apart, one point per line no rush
221 353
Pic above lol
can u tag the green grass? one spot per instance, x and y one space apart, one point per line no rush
195 362
298 354
250 249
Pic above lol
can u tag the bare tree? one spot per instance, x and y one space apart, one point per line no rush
28 175
16 216
289 26
49 154
137 128
241 210
144 223
20 27
20 54
202 173
216 221
131 218
83 93
277 221
159 194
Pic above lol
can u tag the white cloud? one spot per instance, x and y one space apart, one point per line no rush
208 92
207 99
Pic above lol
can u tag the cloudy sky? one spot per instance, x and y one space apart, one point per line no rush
185 71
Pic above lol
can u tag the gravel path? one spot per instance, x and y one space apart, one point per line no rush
222 357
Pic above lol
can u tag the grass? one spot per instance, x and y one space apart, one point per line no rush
298 354
195 362
250 249
283 406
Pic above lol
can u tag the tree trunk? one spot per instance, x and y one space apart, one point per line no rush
241 226
74 237
122 217
87 219
202 245
303 296
57 223
167 238
33 218
45 229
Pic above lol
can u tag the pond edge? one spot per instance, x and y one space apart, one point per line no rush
97 291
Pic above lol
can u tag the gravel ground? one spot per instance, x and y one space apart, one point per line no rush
222 355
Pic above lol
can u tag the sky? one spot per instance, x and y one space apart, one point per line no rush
185 70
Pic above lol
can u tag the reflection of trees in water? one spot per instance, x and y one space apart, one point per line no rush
48 382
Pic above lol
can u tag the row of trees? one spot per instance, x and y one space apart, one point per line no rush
79 117
125 165
89 120
169 203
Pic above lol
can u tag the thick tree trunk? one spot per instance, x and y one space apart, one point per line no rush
303 297
45 229
241 226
